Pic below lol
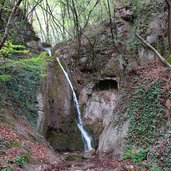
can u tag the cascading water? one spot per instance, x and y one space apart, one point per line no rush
86 138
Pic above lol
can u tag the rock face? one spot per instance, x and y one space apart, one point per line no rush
59 123
114 67
98 102
111 140
156 32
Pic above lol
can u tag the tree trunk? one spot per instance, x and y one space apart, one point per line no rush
154 50
1 12
169 23
5 35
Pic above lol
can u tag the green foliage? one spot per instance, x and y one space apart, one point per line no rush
7 169
146 113
88 13
161 153
135 157
5 77
139 8
20 161
5 145
10 49
19 78
154 168
148 125
169 59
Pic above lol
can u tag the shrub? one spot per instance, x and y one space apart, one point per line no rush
137 156
20 77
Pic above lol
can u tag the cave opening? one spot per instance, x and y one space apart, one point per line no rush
106 84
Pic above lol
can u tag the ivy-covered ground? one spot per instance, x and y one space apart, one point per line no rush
147 102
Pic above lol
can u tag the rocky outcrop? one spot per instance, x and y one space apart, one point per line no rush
155 33
111 140
98 102
114 67
59 123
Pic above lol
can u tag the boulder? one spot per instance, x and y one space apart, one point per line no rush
114 67
111 140
98 101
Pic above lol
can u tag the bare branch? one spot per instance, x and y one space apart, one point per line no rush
154 50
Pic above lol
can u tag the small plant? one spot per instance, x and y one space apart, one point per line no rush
154 168
7 169
9 50
135 157
169 59
20 161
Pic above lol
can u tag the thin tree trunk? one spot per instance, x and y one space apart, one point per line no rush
1 12
5 35
168 2
111 28
77 27
154 50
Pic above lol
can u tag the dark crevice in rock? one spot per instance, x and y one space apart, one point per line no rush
87 70
106 84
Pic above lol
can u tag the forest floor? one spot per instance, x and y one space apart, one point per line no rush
17 148
96 164
22 149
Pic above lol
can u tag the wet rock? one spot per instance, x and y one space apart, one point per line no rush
41 116
89 154
130 168
125 168
73 157
98 111
42 167
59 124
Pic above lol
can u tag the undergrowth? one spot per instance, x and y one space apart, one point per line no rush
20 74
148 125
146 113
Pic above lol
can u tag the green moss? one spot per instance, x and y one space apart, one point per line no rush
7 169
73 157
67 138
169 59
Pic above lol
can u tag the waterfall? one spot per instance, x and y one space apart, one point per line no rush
86 138
48 51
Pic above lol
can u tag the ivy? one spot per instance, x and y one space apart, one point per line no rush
135 156
20 77
146 113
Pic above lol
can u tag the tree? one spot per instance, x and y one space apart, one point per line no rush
168 2
1 11
7 27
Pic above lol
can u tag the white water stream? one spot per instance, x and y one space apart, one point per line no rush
86 138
